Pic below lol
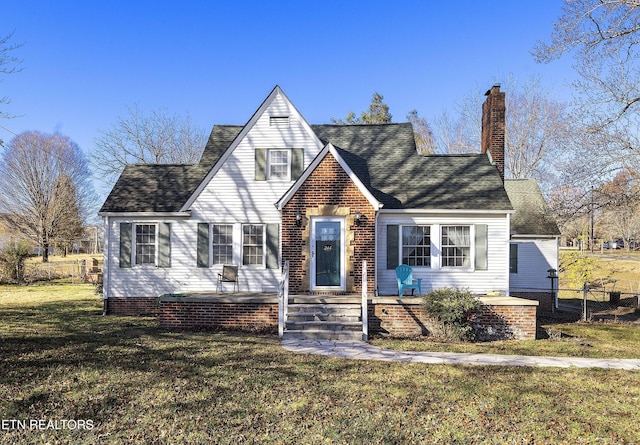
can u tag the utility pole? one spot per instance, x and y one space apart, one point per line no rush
592 221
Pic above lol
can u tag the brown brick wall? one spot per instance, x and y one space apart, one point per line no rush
505 323
490 323
203 314
132 306
329 191
493 126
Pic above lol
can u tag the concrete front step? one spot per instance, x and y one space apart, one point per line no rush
324 321
334 326
309 316
308 334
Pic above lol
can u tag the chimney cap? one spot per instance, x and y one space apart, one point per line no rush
495 85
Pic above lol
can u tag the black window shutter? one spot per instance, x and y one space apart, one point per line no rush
481 262
513 258
393 239
297 163
261 164
273 235
164 244
125 244
203 245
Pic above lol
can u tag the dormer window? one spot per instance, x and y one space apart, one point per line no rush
279 121
279 165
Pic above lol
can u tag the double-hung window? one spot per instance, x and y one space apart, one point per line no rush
279 164
416 245
456 246
253 244
145 244
222 243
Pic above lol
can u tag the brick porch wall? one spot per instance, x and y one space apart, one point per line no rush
133 306
329 191
492 322
203 314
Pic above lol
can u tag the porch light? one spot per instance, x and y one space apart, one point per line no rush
358 217
298 219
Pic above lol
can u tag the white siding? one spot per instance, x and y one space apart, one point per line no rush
233 196
535 258
494 279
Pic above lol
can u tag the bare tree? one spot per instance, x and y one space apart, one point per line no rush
620 202
8 65
158 138
45 191
425 142
602 36
538 128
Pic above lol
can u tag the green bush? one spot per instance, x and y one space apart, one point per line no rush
451 306
12 261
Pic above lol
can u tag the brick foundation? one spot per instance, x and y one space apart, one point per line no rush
500 318
133 306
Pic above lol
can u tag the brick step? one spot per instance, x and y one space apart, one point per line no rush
319 334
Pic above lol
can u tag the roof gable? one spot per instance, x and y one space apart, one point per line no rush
328 149
218 157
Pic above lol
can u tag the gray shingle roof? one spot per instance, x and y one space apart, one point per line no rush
383 156
532 216
153 188
219 140
385 159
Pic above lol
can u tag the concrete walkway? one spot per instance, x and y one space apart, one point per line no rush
359 350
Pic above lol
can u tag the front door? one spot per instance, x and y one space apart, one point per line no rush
327 254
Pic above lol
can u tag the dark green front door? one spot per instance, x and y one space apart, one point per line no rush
328 253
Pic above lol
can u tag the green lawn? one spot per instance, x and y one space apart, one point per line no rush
60 360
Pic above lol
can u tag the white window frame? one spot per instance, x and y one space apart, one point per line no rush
229 244
270 153
430 246
469 265
262 246
135 244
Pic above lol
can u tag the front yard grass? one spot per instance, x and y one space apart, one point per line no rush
593 340
61 359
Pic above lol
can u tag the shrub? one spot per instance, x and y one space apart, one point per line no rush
451 306
12 261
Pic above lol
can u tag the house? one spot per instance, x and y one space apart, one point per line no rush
325 199
534 245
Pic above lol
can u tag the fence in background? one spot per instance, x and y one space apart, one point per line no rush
89 271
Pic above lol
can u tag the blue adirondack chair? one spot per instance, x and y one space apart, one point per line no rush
404 275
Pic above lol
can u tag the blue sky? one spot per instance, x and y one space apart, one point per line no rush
86 61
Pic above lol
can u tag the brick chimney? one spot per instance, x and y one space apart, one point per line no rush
493 127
